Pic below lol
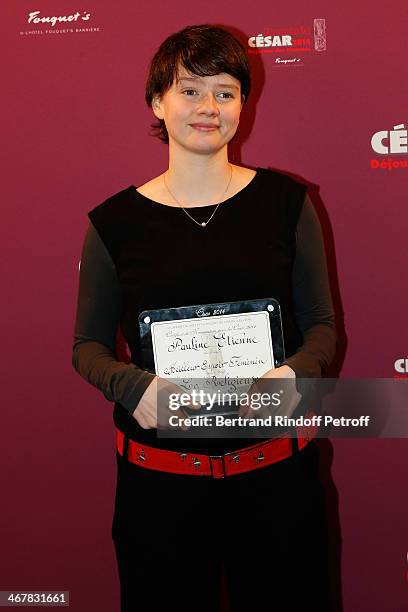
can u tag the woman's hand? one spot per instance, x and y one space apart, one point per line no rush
275 381
153 409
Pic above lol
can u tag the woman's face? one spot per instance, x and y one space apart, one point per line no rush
201 113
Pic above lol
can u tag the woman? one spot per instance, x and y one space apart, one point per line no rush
206 231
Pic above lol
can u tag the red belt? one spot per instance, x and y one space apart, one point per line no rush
218 466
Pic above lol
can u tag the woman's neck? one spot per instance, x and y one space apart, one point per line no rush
198 179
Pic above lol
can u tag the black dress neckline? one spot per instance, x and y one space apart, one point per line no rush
248 187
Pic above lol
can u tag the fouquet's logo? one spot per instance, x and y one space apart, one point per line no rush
291 39
390 142
35 17
36 24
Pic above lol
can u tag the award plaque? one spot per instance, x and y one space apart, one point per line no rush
228 344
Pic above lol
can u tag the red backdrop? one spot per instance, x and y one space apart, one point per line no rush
76 131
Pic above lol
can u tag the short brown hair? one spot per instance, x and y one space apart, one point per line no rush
203 50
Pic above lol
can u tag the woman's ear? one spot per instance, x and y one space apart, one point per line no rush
242 101
157 107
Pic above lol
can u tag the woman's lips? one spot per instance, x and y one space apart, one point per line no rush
202 127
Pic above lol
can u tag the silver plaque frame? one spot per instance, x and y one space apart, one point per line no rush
170 318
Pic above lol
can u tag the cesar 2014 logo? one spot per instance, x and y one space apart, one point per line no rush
390 142
293 39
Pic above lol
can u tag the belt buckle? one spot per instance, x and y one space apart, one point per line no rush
217 466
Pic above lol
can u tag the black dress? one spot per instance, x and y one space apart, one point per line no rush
172 532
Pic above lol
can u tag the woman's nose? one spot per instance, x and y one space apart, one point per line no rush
208 105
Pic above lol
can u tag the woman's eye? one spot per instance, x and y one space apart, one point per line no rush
223 95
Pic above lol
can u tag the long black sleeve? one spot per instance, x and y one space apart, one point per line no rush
313 306
98 311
